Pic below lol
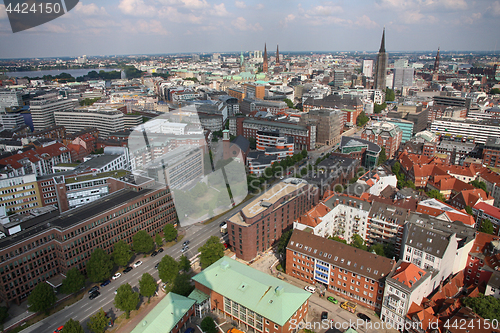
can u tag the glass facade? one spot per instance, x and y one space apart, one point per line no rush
242 313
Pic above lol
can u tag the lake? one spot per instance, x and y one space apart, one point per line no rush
74 72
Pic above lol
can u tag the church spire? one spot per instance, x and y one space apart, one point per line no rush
277 55
265 65
436 62
382 44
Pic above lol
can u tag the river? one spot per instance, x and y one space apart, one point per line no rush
74 72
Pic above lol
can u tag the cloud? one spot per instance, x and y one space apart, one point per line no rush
240 4
365 21
219 10
495 8
241 24
259 6
288 19
90 9
136 8
424 5
151 27
3 13
328 10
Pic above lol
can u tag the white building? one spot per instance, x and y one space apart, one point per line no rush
44 107
368 68
9 99
377 180
480 130
11 120
106 120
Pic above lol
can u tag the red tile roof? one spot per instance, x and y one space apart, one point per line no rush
408 274
488 209
424 315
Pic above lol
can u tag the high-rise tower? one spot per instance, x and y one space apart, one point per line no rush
436 62
381 67
265 65
277 55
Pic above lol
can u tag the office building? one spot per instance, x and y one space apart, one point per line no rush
261 222
338 78
368 68
385 135
364 151
381 66
9 99
329 125
403 77
11 120
43 108
254 90
351 273
19 194
481 130
252 299
43 247
405 126
105 120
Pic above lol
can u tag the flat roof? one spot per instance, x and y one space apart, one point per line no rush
264 294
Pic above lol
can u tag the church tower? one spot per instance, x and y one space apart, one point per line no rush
277 55
436 62
265 65
381 67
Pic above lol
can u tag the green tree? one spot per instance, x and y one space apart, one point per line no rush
378 249
382 157
289 103
337 239
436 195
147 285
211 251
487 307
4 314
282 244
121 253
207 325
468 210
378 108
253 143
358 242
158 240
98 322
168 269
389 95
478 184
338 188
362 119
72 326
99 266
184 263
73 282
142 242
169 232
182 284
126 299
396 168
42 298
487 227
495 91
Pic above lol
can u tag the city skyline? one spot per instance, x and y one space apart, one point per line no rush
120 27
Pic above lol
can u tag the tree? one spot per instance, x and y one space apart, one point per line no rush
389 95
253 143
42 298
158 240
73 282
358 242
378 108
72 326
184 263
289 103
495 91
487 227
362 119
338 239
168 269
468 210
487 307
378 249
126 299
436 195
147 285
212 251
121 253
99 266
207 325
98 323
4 314
396 168
182 284
382 157
142 242
169 232
478 184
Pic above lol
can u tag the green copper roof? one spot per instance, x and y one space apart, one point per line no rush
165 315
264 294
198 296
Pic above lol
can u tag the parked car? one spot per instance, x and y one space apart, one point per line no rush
116 276
59 329
128 269
138 263
160 250
184 249
93 289
105 283
310 289
324 315
116 291
154 254
157 264
333 300
94 295
189 330
363 317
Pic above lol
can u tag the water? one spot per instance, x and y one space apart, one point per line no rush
74 72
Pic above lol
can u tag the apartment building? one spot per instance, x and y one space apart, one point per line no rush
106 120
481 130
354 274
386 225
385 135
491 152
261 222
43 247
254 300
43 108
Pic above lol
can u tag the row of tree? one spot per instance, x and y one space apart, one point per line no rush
386 250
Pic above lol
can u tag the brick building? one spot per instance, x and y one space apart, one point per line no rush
344 270
261 222
254 300
385 135
41 248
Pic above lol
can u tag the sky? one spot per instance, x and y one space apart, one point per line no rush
118 27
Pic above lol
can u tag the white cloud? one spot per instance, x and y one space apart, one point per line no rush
136 8
259 6
240 4
90 9
424 5
3 13
328 10
152 27
365 21
495 8
241 24
288 19
219 10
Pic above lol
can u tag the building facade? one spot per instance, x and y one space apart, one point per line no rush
43 107
385 135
